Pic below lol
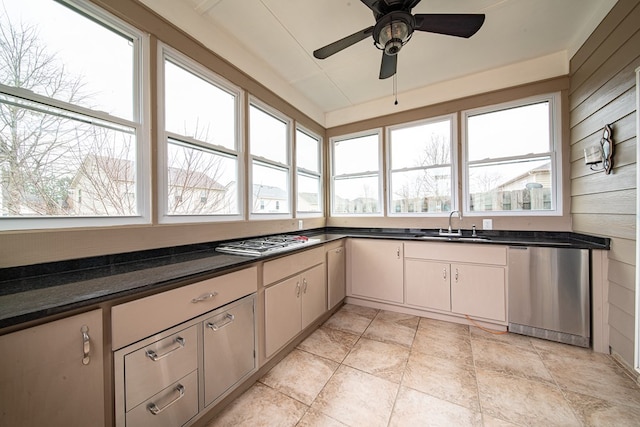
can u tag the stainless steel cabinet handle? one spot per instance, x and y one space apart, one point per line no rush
298 289
304 286
339 250
398 253
155 410
456 274
204 297
151 354
227 319
444 273
86 345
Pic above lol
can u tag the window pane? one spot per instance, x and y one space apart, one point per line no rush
428 144
55 166
268 136
270 193
421 191
512 186
198 109
356 155
309 188
356 195
61 54
307 152
200 182
511 132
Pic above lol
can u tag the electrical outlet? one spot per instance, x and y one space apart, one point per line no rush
300 224
487 224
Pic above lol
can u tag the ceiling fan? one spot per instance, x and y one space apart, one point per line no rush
395 25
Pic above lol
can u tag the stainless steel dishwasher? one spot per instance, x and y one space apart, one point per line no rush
549 294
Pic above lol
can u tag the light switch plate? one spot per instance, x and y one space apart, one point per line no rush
487 224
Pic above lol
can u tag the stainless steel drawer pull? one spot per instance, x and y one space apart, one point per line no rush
155 356
204 297
155 410
228 318
304 284
86 345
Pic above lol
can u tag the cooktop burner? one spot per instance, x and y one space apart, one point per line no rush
263 245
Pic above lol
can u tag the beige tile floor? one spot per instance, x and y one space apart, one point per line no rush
368 367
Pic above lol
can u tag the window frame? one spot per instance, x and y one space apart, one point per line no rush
140 123
166 52
262 161
554 154
305 172
379 173
453 118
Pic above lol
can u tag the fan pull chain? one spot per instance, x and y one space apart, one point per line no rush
395 88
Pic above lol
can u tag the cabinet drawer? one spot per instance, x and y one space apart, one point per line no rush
281 268
229 348
463 252
153 367
170 308
174 406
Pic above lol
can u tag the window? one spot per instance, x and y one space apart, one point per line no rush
71 117
513 158
356 174
421 171
269 141
309 176
200 154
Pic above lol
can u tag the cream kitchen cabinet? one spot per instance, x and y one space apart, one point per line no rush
186 348
52 374
463 279
336 274
376 269
296 300
428 284
479 291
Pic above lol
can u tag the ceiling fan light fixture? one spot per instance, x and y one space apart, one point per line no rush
392 32
393 36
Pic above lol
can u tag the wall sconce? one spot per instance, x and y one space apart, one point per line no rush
602 153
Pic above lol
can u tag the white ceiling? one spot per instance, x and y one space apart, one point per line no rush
273 41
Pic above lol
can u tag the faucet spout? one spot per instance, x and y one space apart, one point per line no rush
450 232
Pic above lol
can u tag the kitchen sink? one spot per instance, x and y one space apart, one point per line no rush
455 238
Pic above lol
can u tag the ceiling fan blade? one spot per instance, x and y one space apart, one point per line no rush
388 65
337 46
451 24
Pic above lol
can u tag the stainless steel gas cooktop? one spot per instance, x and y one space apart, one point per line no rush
264 245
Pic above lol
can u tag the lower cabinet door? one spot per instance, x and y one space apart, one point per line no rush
229 348
172 407
283 313
427 284
478 291
336 276
53 374
314 294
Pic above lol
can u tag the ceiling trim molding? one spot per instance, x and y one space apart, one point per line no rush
542 68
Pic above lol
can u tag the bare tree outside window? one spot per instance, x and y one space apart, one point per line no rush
30 141
421 168
55 160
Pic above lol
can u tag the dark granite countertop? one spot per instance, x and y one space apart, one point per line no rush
33 292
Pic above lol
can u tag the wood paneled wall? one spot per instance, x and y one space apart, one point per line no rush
603 91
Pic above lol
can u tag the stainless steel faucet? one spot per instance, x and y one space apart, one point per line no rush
450 232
